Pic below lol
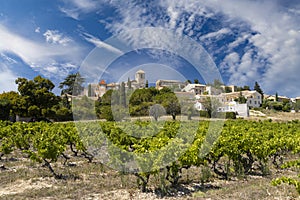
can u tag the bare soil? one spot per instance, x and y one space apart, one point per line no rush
22 179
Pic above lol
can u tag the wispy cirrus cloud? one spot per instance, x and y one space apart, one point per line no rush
74 8
98 43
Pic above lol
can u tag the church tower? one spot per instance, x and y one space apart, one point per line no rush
140 78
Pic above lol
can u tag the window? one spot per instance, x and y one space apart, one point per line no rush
250 101
254 102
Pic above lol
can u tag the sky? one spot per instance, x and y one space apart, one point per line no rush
239 42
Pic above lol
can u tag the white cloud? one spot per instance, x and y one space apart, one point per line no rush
97 42
52 69
273 51
32 51
40 55
239 41
73 13
277 40
74 8
216 35
7 79
173 17
8 59
55 37
84 4
37 30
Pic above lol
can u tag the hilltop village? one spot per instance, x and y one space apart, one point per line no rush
231 98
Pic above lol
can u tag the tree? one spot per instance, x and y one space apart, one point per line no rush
169 101
106 99
211 105
157 111
89 90
4 109
188 81
217 83
296 105
196 81
72 84
246 87
12 101
143 95
103 106
147 84
241 99
84 108
129 84
122 95
36 97
258 89
227 89
141 100
172 105
276 96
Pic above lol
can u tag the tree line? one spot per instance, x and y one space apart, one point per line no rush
35 99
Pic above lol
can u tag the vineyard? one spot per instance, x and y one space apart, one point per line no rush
158 155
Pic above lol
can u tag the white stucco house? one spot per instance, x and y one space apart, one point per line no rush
254 99
195 88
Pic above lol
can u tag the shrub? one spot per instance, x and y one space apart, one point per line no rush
230 115
204 113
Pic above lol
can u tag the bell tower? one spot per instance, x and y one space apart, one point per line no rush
140 78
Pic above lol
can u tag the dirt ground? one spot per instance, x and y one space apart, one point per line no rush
22 179
274 116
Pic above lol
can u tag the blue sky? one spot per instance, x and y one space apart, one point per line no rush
247 40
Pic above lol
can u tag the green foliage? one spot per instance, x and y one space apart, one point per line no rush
285 106
36 98
230 115
241 99
147 84
4 109
72 84
89 90
290 181
11 104
156 111
227 89
129 84
211 105
204 113
245 88
159 147
84 108
258 89
296 106
41 142
122 95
